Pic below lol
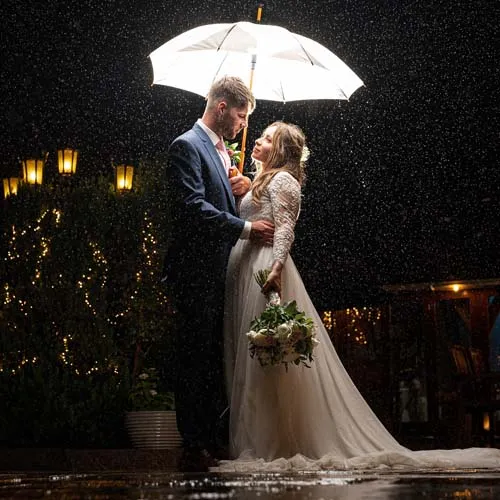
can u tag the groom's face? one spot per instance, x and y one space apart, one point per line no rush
232 120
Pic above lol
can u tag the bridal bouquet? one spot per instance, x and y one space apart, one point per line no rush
282 333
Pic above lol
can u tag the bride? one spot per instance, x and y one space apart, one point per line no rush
300 418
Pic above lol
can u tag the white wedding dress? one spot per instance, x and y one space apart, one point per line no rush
304 418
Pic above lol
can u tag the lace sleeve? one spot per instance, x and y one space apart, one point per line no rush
284 192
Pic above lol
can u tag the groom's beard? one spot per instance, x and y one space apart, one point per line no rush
225 126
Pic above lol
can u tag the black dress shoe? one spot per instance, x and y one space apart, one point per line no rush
196 460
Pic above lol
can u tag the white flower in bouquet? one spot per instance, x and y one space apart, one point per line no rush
284 331
262 338
281 334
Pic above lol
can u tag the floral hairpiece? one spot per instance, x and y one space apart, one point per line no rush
305 154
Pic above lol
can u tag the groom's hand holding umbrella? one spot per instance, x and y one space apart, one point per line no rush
240 184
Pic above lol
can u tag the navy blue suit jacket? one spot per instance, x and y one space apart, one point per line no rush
204 225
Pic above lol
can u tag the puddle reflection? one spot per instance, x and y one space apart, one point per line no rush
279 486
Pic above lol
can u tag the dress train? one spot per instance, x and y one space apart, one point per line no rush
304 418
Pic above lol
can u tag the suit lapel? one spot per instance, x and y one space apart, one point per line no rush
217 164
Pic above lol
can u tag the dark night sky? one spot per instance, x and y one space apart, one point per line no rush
403 180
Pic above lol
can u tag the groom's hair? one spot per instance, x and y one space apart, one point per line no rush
232 90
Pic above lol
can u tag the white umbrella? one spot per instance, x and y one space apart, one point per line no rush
276 64
286 66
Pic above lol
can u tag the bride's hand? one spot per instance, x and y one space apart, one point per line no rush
273 282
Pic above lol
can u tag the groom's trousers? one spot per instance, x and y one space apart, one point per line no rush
200 391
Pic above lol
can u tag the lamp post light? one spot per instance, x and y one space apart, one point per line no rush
33 170
66 160
123 177
10 186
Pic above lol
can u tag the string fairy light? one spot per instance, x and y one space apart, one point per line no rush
35 238
352 322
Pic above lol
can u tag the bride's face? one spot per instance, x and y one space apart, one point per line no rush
263 146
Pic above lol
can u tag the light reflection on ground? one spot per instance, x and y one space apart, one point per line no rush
276 486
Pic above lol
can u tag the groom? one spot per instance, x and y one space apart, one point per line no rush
204 227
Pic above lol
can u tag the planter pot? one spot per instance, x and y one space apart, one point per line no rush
153 429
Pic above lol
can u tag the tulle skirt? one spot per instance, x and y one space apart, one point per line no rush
304 418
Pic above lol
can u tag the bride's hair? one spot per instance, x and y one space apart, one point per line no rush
288 154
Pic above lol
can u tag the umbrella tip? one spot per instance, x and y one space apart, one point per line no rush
259 11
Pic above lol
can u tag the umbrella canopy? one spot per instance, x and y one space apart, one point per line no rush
276 64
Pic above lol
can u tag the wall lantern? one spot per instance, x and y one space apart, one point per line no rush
486 422
33 170
123 177
66 160
10 185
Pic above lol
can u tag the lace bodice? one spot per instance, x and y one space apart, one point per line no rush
280 204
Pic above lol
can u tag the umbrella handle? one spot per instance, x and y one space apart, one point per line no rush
259 11
245 130
242 152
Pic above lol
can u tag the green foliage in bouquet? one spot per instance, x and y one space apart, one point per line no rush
282 333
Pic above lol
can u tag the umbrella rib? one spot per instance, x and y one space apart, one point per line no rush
311 61
225 55
282 91
302 47
216 75
225 36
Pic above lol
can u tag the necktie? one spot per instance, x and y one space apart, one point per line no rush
221 148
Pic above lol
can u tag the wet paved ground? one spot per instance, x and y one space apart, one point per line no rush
368 485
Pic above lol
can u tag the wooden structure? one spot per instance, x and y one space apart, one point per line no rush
445 345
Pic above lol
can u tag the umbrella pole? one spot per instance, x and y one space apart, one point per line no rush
245 130
250 86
